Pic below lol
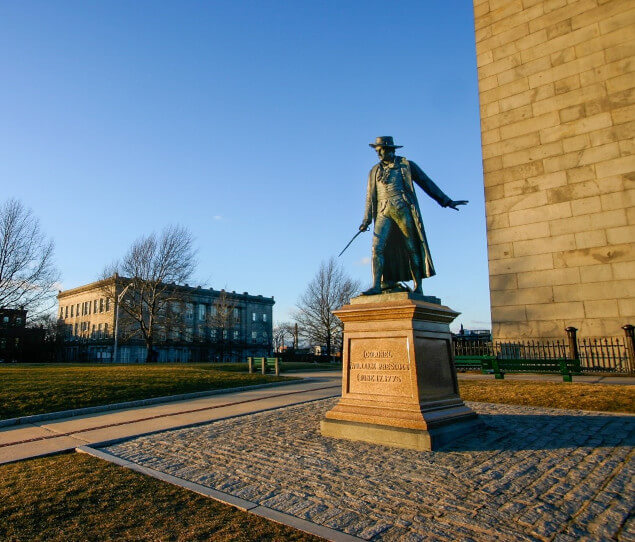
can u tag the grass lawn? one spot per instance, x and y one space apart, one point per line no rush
77 497
571 395
35 389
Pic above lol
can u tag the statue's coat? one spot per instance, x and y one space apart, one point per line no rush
397 263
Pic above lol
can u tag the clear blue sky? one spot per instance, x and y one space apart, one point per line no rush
249 123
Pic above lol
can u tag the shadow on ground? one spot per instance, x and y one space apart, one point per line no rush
546 432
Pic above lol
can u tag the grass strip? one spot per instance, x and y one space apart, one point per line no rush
569 395
36 389
78 497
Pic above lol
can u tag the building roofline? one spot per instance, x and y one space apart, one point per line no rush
186 287
85 287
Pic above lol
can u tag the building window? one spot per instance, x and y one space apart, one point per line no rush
95 307
236 334
72 307
76 329
61 313
77 310
254 336
264 317
225 334
107 304
66 312
99 331
5 319
189 312
201 312
253 316
18 320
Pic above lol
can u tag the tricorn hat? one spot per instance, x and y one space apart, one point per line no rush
384 141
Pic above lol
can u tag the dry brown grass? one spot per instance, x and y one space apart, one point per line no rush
570 395
77 497
34 389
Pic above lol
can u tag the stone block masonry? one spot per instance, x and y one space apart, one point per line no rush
531 474
557 94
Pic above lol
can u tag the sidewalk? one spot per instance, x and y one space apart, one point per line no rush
581 379
64 434
67 433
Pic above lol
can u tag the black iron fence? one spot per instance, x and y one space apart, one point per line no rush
596 355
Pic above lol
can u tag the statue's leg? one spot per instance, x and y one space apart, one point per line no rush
380 236
407 226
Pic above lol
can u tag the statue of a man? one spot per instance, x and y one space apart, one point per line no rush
400 247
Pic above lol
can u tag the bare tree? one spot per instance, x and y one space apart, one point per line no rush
328 291
153 270
282 331
223 319
27 273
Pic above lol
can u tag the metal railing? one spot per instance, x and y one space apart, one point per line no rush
605 355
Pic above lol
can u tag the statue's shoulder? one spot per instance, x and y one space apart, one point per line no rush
373 170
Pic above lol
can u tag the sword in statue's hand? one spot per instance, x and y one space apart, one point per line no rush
353 239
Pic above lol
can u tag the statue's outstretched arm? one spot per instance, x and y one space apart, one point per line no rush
430 188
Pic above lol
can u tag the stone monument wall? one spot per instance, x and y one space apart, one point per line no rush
556 89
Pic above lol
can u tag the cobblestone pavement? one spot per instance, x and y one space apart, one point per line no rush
530 474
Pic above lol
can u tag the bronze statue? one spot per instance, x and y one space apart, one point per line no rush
400 247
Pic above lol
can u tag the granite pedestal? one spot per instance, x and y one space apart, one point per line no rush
399 386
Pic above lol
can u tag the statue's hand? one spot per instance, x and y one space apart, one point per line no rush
454 204
364 226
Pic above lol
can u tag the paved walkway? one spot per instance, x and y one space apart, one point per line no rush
531 474
584 379
63 434
66 433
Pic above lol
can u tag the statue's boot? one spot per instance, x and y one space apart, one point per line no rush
378 267
374 290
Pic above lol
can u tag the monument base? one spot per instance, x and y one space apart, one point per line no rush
400 437
399 385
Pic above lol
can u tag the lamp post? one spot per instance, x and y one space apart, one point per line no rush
119 298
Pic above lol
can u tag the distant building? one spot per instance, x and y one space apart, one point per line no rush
17 342
87 319
473 334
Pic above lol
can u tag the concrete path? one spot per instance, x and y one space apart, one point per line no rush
582 379
67 433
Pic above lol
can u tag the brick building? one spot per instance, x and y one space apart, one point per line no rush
556 89
19 343
87 319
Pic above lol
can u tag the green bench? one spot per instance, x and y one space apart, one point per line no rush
566 367
492 365
471 363
266 365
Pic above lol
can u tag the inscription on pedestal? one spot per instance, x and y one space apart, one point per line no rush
379 367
